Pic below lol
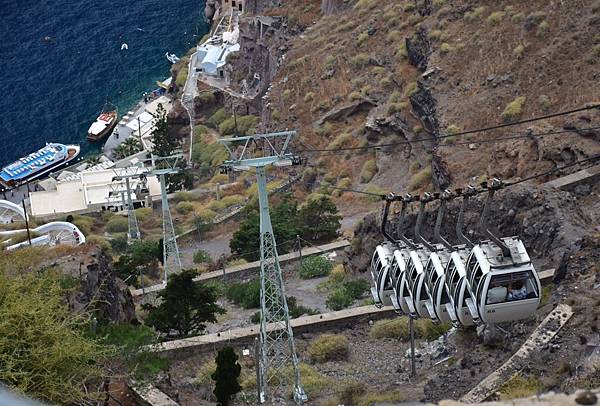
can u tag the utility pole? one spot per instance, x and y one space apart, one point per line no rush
171 259
133 232
276 349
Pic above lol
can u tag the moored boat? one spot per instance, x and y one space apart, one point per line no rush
52 157
103 125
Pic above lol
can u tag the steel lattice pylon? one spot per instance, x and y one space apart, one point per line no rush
276 352
171 259
134 230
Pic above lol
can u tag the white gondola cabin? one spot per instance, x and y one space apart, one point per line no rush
415 277
435 283
399 282
456 286
380 274
502 287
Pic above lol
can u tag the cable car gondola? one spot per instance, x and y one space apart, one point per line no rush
380 267
502 282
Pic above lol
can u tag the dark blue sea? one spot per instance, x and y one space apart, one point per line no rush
53 90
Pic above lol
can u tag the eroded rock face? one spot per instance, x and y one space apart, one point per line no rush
102 291
418 49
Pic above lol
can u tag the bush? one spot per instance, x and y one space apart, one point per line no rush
245 125
411 89
315 267
98 241
351 392
340 141
338 299
518 51
542 29
244 294
181 76
513 110
184 207
368 170
446 48
182 196
395 328
343 296
218 117
520 387
117 224
328 347
202 257
143 213
474 15
362 38
496 17
420 179
83 223
360 60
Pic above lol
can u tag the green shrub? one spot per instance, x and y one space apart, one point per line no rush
395 328
446 48
308 97
356 288
117 224
202 257
391 397
181 76
496 17
362 38
513 110
315 267
98 241
360 60
474 15
542 29
218 117
411 89
340 140
245 125
143 213
545 102
368 170
518 51
517 18
182 196
520 387
184 207
207 98
453 129
338 299
83 223
420 179
244 294
429 330
328 347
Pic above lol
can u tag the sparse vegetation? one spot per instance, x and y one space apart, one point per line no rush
518 51
420 179
328 347
520 387
398 328
513 110
368 170
184 207
315 267
474 15
542 29
496 17
117 224
343 296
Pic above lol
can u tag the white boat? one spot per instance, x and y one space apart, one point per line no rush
172 57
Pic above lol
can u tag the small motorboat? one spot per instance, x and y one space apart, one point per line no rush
124 46
172 58
103 125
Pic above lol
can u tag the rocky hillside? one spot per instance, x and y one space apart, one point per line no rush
387 71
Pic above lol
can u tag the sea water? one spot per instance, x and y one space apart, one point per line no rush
60 60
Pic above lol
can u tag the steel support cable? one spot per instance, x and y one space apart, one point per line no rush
483 190
410 142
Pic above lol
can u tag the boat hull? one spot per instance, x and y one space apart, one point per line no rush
72 153
106 131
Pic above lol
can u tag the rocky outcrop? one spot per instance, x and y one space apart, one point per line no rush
424 7
346 110
102 292
418 49
424 105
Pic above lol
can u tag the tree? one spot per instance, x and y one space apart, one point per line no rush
141 257
319 218
226 376
185 306
164 144
44 351
284 218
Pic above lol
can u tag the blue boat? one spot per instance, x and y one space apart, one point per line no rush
49 158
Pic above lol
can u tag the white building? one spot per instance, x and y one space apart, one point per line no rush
94 191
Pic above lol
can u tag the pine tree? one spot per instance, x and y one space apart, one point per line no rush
226 376
164 144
